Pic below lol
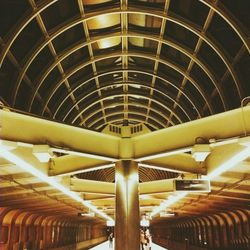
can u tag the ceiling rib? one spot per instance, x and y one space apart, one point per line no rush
177 68
175 20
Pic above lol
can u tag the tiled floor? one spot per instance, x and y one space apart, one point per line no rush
105 246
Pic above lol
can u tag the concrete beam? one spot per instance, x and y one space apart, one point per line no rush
160 186
34 130
186 134
89 186
180 163
69 164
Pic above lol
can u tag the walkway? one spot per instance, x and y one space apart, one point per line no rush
105 246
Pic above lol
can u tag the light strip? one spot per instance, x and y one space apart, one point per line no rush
85 170
29 168
5 143
239 157
167 203
92 156
161 168
164 154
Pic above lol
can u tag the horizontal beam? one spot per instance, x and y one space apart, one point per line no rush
185 135
159 186
108 188
69 164
179 163
89 186
225 157
34 130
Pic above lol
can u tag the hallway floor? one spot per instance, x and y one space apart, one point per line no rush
105 246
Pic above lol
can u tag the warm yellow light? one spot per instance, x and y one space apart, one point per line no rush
167 203
110 223
11 157
108 42
239 157
144 223
164 154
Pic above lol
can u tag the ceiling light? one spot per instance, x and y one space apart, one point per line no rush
167 203
42 152
51 181
237 158
220 142
92 156
245 141
160 168
86 214
164 154
144 223
8 145
165 214
200 152
110 223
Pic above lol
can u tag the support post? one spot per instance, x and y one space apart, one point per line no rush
127 220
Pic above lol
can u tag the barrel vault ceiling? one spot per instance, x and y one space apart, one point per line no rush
92 63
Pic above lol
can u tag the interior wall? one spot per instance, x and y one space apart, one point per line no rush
225 230
24 230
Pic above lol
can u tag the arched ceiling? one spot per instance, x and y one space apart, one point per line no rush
92 63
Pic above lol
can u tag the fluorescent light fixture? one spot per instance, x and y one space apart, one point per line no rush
144 223
160 168
237 158
165 214
86 214
51 181
245 141
8 145
200 152
134 85
164 154
92 156
167 203
42 152
85 170
110 223
221 142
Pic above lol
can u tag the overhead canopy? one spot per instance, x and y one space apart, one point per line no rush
102 65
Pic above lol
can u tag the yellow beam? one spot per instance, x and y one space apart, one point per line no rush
69 164
218 126
23 128
108 188
89 186
160 186
180 163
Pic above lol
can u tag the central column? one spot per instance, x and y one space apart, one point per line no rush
127 219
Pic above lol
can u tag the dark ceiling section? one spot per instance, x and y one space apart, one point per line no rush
157 62
145 175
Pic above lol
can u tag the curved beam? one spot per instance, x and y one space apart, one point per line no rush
120 95
132 113
128 83
121 105
230 20
173 45
129 71
157 14
23 23
180 70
